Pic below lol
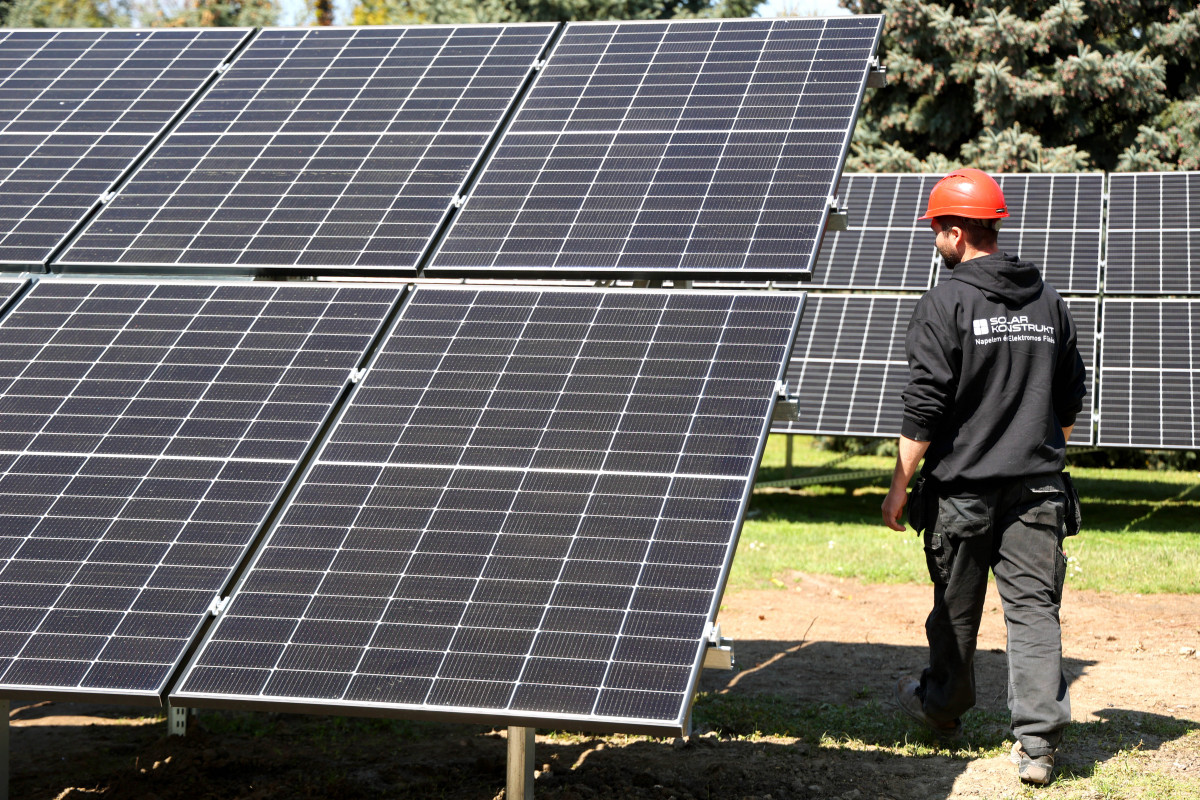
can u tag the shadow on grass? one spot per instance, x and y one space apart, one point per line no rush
804 750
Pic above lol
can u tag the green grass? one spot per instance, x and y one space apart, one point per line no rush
1141 529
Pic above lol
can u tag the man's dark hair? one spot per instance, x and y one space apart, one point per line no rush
980 233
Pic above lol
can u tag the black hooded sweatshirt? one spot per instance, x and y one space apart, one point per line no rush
994 374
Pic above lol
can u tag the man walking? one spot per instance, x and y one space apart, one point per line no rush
995 383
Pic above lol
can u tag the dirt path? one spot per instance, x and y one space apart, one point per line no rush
820 640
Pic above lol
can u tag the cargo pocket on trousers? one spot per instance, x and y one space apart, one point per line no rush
1045 503
957 518
938 554
1060 571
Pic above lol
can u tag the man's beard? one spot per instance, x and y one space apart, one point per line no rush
949 255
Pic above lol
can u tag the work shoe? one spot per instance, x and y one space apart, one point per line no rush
1032 770
909 699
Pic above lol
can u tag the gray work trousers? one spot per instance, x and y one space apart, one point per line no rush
1016 527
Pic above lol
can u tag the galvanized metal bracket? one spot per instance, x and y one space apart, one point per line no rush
876 74
839 216
719 653
787 408
218 605
177 720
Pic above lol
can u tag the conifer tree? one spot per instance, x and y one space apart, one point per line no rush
1038 85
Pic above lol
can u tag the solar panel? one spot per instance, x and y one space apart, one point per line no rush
1153 243
1054 221
146 430
320 150
884 247
1150 374
850 368
77 108
691 148
527 510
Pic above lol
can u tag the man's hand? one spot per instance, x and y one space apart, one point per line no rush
911 453
893 507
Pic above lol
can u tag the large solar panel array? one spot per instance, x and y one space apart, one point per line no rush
849 366
1055 222
319 150
526 511
146 431
1150 374
77 108
1153 233
687 149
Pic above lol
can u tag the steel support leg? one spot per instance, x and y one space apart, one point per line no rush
177 720
787 466
520 764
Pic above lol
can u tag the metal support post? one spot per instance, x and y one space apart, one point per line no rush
787 468
5 705
520 764
177 720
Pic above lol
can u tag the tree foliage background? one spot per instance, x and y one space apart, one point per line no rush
1007 85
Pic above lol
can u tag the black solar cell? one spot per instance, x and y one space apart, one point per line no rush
1153 243
1150 374
320 150
145 432
77 107
526 510
689 149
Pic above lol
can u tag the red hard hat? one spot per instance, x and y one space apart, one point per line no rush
969 193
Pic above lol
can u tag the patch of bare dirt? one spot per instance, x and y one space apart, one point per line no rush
820 640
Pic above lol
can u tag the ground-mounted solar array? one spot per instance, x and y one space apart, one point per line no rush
849 368
146 431
1150 374
319 150
1153 242
77 108
526 512
690 149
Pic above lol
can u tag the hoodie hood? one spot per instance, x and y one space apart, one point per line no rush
1002 278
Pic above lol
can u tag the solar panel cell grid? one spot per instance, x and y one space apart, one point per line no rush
885 246
76 110
686 148
1150 374
850 365
1153 238
146 432
526 510
319 150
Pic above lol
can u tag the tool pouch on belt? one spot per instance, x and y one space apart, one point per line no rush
1074 520
917 515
